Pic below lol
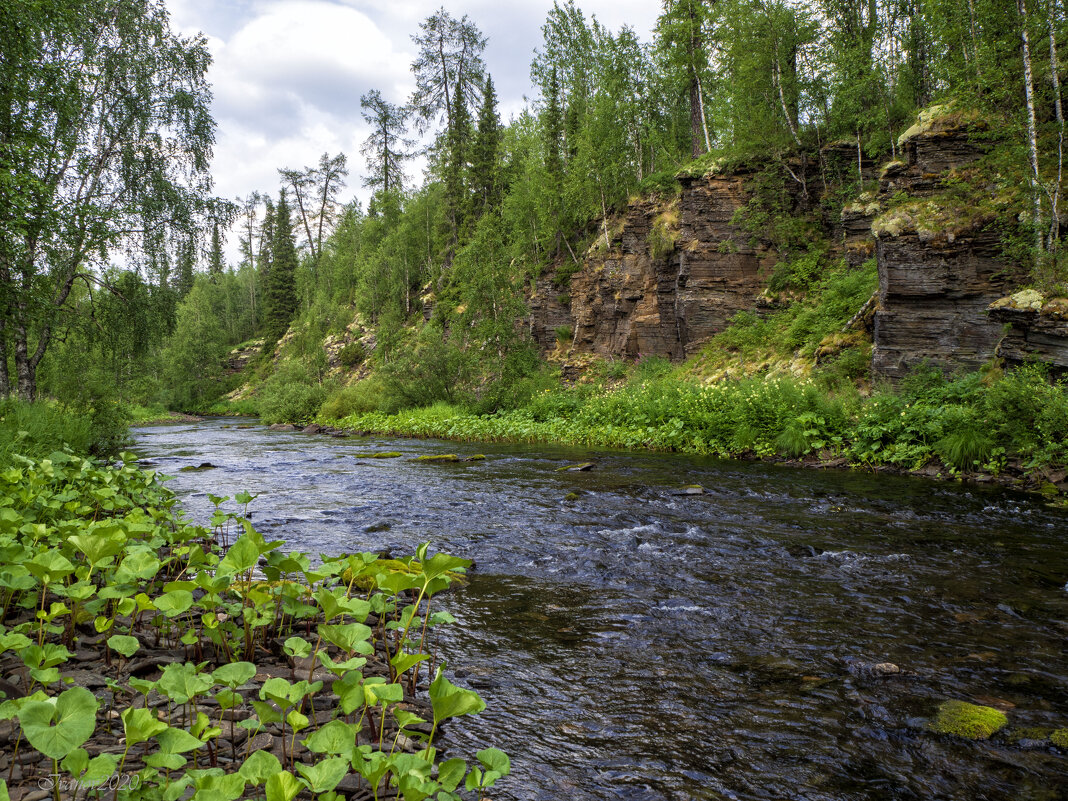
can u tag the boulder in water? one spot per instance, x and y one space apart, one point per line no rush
575 468
970 721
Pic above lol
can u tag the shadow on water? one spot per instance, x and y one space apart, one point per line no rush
641 643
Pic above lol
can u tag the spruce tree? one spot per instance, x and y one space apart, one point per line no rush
186 263
281 300
457 147
215 258
485 186
554 165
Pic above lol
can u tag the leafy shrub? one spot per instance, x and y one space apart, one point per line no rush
290 395
359 398
352 355
563 334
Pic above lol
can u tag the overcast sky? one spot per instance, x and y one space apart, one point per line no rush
288 74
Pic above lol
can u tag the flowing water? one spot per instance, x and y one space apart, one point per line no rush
641 643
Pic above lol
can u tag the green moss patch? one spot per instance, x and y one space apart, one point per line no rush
1060 738
971 721
379 455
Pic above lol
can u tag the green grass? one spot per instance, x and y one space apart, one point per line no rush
35 430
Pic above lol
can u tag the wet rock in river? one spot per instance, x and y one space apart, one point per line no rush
690 489
575 468
196 468
970 721
314 428
283 427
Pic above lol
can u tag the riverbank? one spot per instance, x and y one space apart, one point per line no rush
1009 428
235 665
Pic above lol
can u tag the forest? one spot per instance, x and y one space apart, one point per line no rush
118 299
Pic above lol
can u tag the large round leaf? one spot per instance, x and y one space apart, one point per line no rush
57 729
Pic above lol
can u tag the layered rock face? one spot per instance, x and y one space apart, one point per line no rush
939 260
1037 329
668 279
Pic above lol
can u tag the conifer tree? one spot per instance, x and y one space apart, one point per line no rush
186 264
457 146
281 300
485 183
554 165
385 148
263 261
215 257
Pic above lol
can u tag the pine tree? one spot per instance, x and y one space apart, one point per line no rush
215 257
485 186
281 300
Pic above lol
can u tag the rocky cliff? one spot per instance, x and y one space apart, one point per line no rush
663 279
1036 329
667 276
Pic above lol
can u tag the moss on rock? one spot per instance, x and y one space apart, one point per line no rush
971 721
1060 738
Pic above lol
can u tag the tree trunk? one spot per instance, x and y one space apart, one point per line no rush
1055 195
1032 134
5 381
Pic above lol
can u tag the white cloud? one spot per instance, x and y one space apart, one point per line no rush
288 74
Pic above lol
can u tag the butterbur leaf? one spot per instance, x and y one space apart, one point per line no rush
123 644
283 786
175 602
336 737
56 729
177 741
348 637
325 774
298 647
241 557
234 674
402 662
450 701
451 773
164 761
259 767
140 725
495 759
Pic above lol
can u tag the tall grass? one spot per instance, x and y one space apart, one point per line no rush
37 429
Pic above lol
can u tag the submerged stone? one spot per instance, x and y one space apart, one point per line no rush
571 496
380 455
190 468
1060 738
449 457
971 721
575 467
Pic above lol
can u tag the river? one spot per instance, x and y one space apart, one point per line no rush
638 642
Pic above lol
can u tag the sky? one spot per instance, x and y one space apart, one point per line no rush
288 74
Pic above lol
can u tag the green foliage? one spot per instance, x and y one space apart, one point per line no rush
290 395
88 543
352 355
37 429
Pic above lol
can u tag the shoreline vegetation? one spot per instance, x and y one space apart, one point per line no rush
1007 428
143 656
